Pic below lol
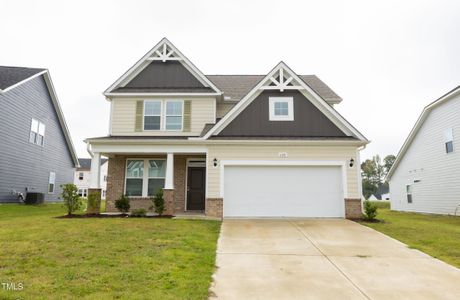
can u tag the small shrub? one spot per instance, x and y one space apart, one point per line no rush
159 202
122 204
72 201
370 210
140 212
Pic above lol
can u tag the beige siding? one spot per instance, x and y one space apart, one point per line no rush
426 160
224 107
124 116
241 152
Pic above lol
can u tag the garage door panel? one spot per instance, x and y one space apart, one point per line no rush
283 191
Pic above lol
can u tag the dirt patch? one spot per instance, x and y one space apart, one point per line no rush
103 216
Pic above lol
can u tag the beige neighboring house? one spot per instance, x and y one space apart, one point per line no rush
268 145
82 177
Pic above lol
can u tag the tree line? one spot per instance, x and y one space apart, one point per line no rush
373 173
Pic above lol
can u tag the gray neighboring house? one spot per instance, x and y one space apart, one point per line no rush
36 151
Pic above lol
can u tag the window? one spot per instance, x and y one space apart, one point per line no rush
449 140
145 184
152 115
105 178
173 115
134 177
51 182
103 193
82 192
409 193
281 109
163 115
157 172
80 176
37 133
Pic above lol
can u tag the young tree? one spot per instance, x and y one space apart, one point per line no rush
72 201
388 162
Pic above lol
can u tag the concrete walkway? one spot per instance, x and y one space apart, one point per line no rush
324 259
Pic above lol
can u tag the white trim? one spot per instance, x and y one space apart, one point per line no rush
188 95
271 109
166 115
53 182
110 118
161 114
339 163
145 176
144 62
169 176
147 148
23 81
421 119
187 165
333 115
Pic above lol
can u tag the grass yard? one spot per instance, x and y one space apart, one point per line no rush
125 258
436 235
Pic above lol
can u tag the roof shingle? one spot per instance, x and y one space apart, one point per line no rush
11 75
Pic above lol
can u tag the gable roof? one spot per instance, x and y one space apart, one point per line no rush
421 119
283 78
85 163
10 77
19 76
235 87
164 51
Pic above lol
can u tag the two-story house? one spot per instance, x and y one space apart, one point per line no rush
36 151
228 145
82 177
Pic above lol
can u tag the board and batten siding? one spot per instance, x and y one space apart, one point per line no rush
426 160
294 153
203 111
23 164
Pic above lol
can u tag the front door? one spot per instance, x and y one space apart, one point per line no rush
196 181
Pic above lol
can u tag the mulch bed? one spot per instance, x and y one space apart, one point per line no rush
104 216
367 221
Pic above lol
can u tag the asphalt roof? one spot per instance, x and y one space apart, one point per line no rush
85 163
237 86
11 75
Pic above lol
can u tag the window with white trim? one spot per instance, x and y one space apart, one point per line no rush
281 108
51 182
80 175
82 193
409 193
449 140
174 114
163 115
37 132
144 184
152 115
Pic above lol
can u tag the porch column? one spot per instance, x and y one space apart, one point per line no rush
95 182
169 180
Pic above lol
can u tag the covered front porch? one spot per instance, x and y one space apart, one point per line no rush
181 173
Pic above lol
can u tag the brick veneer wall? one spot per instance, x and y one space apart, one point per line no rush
353 208
214 207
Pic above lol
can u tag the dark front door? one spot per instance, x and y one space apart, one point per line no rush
196 180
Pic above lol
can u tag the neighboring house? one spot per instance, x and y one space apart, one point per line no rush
82 177
36 152
426 174
228 145
383 193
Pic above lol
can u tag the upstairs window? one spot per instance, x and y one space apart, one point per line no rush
37 132
281 109
80 176
449 140
152 115
174 111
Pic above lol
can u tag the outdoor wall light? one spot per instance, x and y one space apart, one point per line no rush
215 162
352 162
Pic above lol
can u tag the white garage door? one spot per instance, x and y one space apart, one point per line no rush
283 191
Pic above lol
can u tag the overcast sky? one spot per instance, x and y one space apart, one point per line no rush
386 59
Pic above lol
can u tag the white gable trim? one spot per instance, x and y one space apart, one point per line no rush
298 84
60 114
22 81
162 51
421 119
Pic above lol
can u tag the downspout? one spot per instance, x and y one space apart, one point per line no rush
88 148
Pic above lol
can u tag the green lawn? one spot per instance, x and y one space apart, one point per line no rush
436 235
124 258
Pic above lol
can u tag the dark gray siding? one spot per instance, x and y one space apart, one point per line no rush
169 74
23 164
308 120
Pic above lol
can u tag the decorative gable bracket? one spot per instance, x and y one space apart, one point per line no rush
279 81
164 54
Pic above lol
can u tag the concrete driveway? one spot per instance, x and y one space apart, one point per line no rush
324 259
